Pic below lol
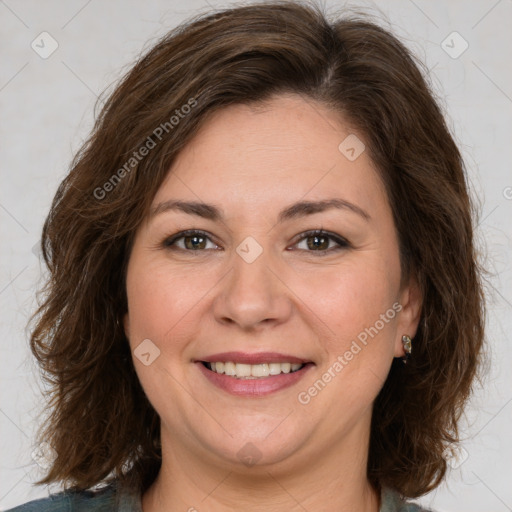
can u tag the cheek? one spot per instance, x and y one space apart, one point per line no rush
163 300
355 319
349 302
163 303
147 304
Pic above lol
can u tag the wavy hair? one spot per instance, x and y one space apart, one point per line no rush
100 422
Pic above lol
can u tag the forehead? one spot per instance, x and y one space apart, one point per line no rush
265 155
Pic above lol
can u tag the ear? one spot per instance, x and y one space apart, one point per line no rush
411 301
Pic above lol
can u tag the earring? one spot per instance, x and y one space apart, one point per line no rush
407 344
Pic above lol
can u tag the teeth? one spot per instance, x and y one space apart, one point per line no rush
229 368
241 370
259 370
253 371
275 368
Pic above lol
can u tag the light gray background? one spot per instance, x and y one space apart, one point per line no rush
47 110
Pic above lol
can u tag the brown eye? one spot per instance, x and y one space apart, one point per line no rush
318 242
321 242
194 242
189 241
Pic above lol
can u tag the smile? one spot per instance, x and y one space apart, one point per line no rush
252 371
252 380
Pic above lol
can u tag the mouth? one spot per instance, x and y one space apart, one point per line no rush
251 371
253 375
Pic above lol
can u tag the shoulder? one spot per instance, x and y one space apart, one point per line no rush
71 501
107 499
392 502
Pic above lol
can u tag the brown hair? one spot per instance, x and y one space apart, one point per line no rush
101 424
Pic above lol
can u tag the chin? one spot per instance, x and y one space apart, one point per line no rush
255 446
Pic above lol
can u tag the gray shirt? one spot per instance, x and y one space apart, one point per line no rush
115 498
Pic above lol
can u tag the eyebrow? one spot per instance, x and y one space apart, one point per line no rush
296 210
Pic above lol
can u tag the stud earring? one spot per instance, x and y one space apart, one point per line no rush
407 344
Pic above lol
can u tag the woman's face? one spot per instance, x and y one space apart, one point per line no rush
253 283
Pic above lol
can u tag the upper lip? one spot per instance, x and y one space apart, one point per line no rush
256 358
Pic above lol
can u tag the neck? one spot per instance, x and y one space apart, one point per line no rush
334 480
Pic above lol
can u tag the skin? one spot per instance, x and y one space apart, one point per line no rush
294 299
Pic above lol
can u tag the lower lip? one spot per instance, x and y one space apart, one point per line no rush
254 387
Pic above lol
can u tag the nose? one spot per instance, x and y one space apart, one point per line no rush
253 295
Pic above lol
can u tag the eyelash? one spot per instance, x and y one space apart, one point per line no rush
169 242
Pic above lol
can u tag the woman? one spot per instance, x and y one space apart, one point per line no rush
269 219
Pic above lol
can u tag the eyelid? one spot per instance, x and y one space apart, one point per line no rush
342 242
170 240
